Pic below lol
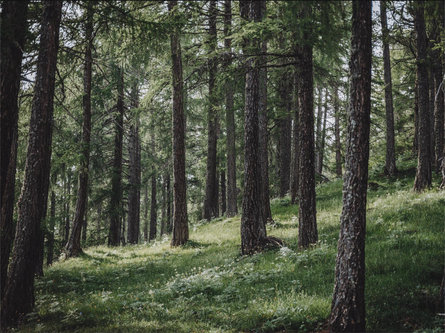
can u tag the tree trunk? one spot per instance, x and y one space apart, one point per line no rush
348 304
50 231
13 28
295 183
116 177
146 213
73 247
338 158
423 174
323 134
85 225
134 192
263 130
223 192
164 206
416 116
18 298
169 209
67 209
98 220
180 224
439 95
211 202
153 208
253 231
390 164
232 208
285 131
307 227
318 126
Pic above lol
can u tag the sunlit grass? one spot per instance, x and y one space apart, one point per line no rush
206 286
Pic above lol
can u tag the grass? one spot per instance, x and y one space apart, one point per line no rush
206 286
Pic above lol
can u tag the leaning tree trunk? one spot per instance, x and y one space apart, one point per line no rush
180 224
423 174
13 28
232 208
134 192
348 303
211 195
18 299
73 248
307 226
390 164
116 177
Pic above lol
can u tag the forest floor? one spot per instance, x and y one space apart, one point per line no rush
206 286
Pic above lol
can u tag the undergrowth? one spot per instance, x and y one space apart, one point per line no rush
206 286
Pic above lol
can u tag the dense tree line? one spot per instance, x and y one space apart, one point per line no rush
209 109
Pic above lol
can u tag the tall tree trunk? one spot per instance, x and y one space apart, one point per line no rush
180 224
423 174
164 206
73 247
232 208
285 132
416 115
223 192
211 202
13 28
169 208
348 303
67 208
439 95
253 231
323 134
146 213
338 158
134 192
51 224
18 298
116 177
390 164
98 220
263 130
318 128
307 227
153 208
295 183
85 225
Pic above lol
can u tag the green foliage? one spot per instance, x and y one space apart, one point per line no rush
208 286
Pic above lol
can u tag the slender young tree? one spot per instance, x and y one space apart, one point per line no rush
307 226
134 178
211 197
180 224
73 248
390 164
423 174
232 207
13 28
348 303
18 298
116 176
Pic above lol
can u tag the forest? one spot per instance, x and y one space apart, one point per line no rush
222 166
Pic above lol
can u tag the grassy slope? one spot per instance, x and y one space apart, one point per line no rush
206 286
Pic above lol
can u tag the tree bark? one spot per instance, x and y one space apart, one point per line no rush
134 192
180 224
348 304
263 130
232 207
73 247
295 182
13 28
253 231
211 198
390 163
423 174
153 207
116 177
307 227
338 158
18 298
